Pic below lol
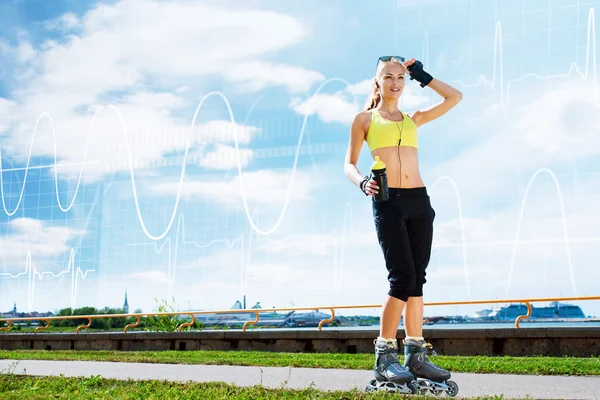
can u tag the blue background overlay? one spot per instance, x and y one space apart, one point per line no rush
195 150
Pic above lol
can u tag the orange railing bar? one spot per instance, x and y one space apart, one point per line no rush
84 326
188 324
39 328
132 325
251 322
327 321
257 312
520 317
7 328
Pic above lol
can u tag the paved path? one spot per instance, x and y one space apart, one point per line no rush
470 385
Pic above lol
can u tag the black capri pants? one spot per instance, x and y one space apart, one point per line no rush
404 225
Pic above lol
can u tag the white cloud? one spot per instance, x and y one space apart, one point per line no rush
148 143
543 130
25 52
271 273
362 88
552 129
255 76
329 108
342 106
38 237
411 99
150 277
6 112
117 51
225 157
317 243
562 124
548 258
263 187
218 131
139 33
304 244
229 258
5 47
65 22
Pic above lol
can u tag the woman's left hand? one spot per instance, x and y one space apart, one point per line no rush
409 63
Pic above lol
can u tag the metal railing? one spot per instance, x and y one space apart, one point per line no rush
257 312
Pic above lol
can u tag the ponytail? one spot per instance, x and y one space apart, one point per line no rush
373 100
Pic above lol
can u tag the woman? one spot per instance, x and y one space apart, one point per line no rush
404 222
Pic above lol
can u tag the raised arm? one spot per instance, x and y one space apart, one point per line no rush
451 96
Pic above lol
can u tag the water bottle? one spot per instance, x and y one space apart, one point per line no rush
378 175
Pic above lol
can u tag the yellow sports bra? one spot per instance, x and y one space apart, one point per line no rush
384 133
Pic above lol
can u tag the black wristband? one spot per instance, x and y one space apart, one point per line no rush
363 183
418 74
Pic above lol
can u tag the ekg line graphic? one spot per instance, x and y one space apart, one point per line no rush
564 221
463 243
183 167
27 167
462 224
335 241
180 237
32 273
246 245
497 80
244 241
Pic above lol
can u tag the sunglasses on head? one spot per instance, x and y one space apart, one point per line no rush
388 58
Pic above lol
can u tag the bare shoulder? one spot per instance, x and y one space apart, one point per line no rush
363 118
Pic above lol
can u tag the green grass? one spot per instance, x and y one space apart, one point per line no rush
27 387
478 364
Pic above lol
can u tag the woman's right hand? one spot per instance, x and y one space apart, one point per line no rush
371 188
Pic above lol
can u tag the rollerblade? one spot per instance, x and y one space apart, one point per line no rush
431 379
390 375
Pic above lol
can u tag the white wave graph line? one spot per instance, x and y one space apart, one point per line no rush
294 166
567 241
184 163
564 221
172 250
336 241
462 224
334 238
27 167
32 273
172 262
497 80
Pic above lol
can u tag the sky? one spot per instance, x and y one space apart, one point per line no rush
193 150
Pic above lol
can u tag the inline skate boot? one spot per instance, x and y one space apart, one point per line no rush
390 375
430 379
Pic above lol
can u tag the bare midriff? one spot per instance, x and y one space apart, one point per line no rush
402 166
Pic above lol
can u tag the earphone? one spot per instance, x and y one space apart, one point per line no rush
399 130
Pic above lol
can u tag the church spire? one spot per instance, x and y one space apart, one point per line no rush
126 304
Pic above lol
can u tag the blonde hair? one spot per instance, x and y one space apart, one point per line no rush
375 97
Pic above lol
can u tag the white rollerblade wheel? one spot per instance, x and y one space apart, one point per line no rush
391 387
